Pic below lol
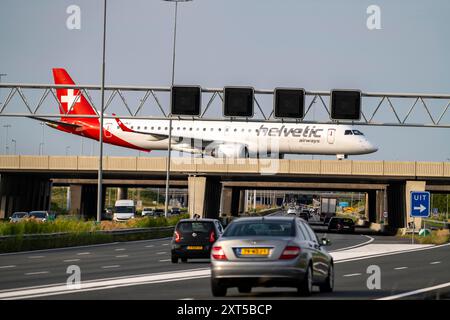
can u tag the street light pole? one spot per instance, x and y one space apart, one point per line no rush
100 160
42 140
169 146
15 144
7 126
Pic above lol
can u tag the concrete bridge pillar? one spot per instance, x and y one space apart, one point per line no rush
242 201
75 199
372 205
226 201
23 192
122 193
83 200
204 196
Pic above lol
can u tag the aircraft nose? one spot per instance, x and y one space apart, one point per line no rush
371 147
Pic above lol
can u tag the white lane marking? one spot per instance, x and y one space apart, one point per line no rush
63 249
122 256
165 260
109 267
356 245
149 246
352 275
83 253
412 293
161 252
400 268
435 262
35 257
6 267
86 246
71 260
34 273
367 253
120 249
186 299
103 284
165 244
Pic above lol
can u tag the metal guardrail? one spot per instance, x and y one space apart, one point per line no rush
115 232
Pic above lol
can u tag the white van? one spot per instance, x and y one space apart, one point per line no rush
124 210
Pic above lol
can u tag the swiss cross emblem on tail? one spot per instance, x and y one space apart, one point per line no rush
71 99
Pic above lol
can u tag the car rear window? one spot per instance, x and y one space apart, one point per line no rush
198 227
38 214
261 228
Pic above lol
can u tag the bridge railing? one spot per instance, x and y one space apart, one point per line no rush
227 166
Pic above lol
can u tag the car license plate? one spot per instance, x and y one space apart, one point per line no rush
195 248
255 251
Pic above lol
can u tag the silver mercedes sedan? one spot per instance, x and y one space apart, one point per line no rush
270 252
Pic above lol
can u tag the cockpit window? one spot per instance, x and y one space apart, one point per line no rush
357 133
348 132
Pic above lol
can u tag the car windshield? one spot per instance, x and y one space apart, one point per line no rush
19 215
148 209
198 227
261 228
124 209
358 133
38 214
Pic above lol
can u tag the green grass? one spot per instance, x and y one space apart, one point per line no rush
59 225
69 231
436 237
71 225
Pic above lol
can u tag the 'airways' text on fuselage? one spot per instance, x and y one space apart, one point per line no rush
294 132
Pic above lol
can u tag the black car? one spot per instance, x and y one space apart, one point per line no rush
193 238
175 211
304 214
341 224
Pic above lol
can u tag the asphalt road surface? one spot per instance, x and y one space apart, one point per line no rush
142 270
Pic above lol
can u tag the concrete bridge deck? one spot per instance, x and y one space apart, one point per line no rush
157 165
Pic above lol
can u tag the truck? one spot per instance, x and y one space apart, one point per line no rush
327 209
124 210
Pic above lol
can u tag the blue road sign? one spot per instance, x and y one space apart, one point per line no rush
420 204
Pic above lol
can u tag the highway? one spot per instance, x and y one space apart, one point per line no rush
142 270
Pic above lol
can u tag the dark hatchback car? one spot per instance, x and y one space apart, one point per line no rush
193 238
341 224
304 214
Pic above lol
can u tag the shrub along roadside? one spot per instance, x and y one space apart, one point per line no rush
62 233
68 224
436 237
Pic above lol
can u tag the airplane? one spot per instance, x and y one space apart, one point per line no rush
216 138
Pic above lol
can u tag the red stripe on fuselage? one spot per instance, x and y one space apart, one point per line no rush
92 132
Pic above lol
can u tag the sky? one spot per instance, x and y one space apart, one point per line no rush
315 44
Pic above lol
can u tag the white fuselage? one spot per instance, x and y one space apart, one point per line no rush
257 137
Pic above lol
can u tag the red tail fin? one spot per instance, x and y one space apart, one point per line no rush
72 100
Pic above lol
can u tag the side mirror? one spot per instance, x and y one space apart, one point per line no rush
325 241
